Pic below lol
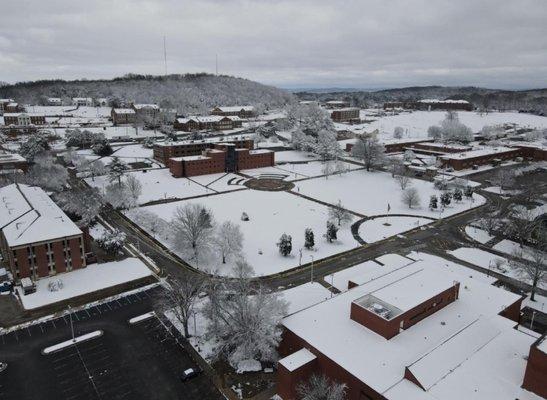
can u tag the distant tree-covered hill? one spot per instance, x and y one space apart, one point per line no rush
190 93
534 100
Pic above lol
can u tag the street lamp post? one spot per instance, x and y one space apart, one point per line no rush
71 323
311 268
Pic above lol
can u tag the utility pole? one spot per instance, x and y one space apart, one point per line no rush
164 55
311 280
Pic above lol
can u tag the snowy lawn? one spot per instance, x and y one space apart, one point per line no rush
369 193
380 228
478 234
490 261
132 151
294 156
509 247
539 304
415 123
220 182
297 171
271 214
157 184
500 191
90 279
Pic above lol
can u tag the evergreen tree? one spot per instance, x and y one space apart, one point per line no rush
285 245
433 202
468 192
458 195
116 169
332 231
309 240
446 198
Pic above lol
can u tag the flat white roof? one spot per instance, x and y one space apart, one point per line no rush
297 359
219 140
379 362
235 108
10 157
486 151
443 101
139 106
124 111
190 158
28 215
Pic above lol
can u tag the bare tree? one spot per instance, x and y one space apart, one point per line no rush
179 298
398 132
85 203
228 240
370 150
505 178
339 213
320 387
532 264
192 225
134 187
520 223
244 319
404 180
410 197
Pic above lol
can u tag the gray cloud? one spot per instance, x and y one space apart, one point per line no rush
372 43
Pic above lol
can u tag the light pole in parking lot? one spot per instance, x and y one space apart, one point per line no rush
311 268
71 323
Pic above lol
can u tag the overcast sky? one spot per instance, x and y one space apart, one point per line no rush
316 43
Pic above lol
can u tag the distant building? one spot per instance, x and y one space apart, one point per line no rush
121 116
13 107
238 111
536 368
417 331
12 162
224 157
54 101
4 103
82 101
101 102
337 104
212 122
24 119
165 150
430 105
146 111
350 114
37 239
477 157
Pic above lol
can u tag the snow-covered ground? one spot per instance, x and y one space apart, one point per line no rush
380 228
477 234
415 123
113 132
489 261
158 184
271 214
369 193
294 156
509 247
500 191
86 280
298 171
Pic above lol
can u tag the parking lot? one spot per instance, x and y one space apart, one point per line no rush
139 361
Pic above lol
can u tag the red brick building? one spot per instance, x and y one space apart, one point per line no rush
238 111
10 162
212 123
350 114
478 157
430 104
223 157
37 239
3 105
23 119
418 331
166 150
535 377
122 116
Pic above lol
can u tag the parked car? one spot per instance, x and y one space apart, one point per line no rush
3 366
189 374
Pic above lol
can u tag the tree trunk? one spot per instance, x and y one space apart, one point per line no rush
534 285
223 259
185 326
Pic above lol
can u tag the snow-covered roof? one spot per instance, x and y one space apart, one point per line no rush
19 114
235 108
190 158
297 359
328 328
13 104
486 151
124 111
10 157
336 102
225 140
141 106
443 101
28 215
345 109
6 100
260 151
81 98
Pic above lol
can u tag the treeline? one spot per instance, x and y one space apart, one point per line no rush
188 94
534 101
